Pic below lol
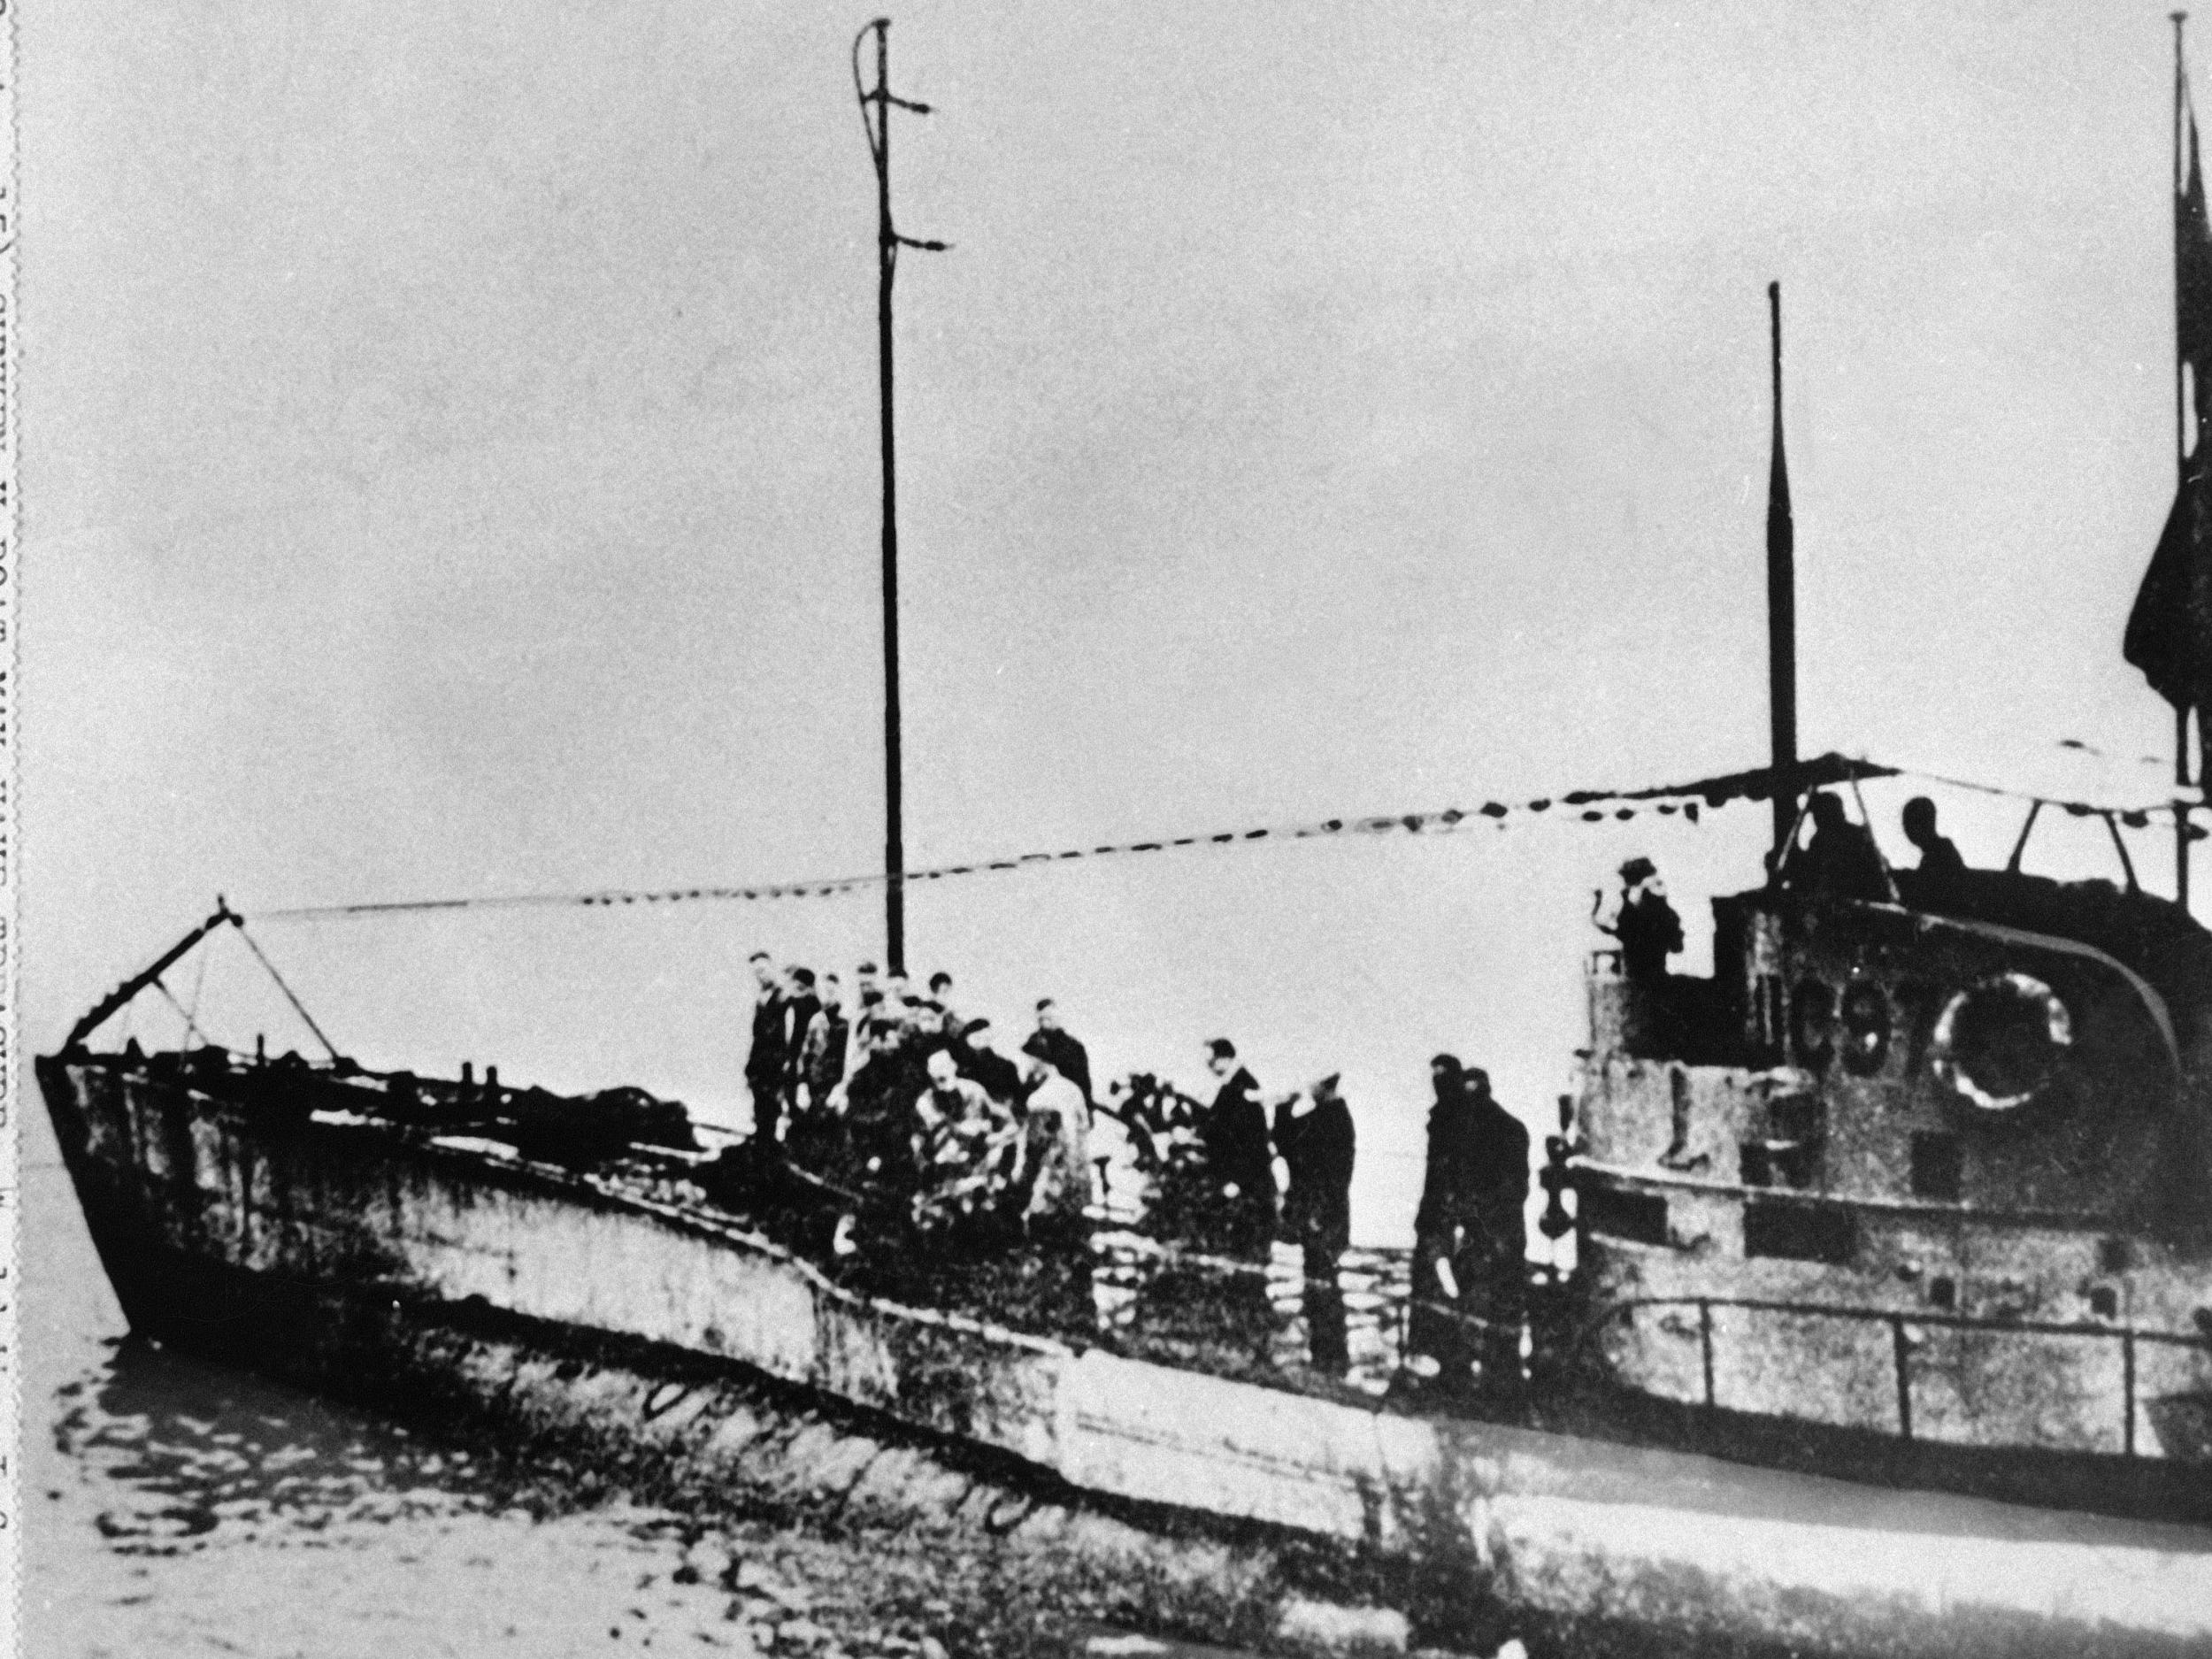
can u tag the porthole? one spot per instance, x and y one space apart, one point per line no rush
1999 1042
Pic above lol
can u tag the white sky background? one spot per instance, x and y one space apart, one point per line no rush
450 467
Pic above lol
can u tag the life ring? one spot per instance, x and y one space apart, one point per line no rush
1999 1042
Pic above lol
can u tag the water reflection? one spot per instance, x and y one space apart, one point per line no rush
188 1509
183 1448
183 1507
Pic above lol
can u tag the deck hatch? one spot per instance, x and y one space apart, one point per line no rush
1639 1217
1800 1232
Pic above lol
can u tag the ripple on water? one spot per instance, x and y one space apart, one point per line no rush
197 1509
192 1508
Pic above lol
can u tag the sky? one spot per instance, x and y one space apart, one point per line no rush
449 468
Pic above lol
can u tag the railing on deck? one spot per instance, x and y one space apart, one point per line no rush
1387 1302
1901 1342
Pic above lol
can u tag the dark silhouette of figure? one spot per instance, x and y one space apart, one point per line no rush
936 1011
1840 861
1068 1057
769 1058
816 1136
1939 877
1001 1077
1313 1131
1648 930
801 1006
867 997
822 1050
1450 1190
1471 1233
1217 1200
1238 1160
879 1093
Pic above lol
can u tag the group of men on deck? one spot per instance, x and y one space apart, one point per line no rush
917 1090
1840 861
1470 1267
917 1095
1312 1135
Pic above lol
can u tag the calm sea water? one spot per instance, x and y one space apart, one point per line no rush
174 1507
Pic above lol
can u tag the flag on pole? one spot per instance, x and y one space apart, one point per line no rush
2192 276
2169 630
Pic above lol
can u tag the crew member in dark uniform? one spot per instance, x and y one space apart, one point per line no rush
801 1005
1208 1307
1939 877
1068 1057
1001 1077
1841 860
1450 1197
1470 1234
822 1050
1239 1162
768 1061
1648 930
1313 1131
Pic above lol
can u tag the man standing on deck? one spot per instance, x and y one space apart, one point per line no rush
1648 933
1239 1161
768 1060
1471 1249
1648 930
867 997
804 1005
1054 1274
1841 860
1068 1057
822 1050
1313 1131
1450 1219
938 1005
910 1026
1059 1152
1937 881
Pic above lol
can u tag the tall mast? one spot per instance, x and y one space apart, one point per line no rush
1781 611
2181 471
875 113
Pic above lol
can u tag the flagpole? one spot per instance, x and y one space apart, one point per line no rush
1781 615
2181 473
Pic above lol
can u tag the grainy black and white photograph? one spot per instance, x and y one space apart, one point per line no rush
1117 832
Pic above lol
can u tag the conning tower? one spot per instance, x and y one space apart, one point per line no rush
1928 1163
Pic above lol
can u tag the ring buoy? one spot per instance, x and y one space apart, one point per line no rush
1999 1042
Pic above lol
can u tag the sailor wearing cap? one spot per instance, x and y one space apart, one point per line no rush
1648 930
